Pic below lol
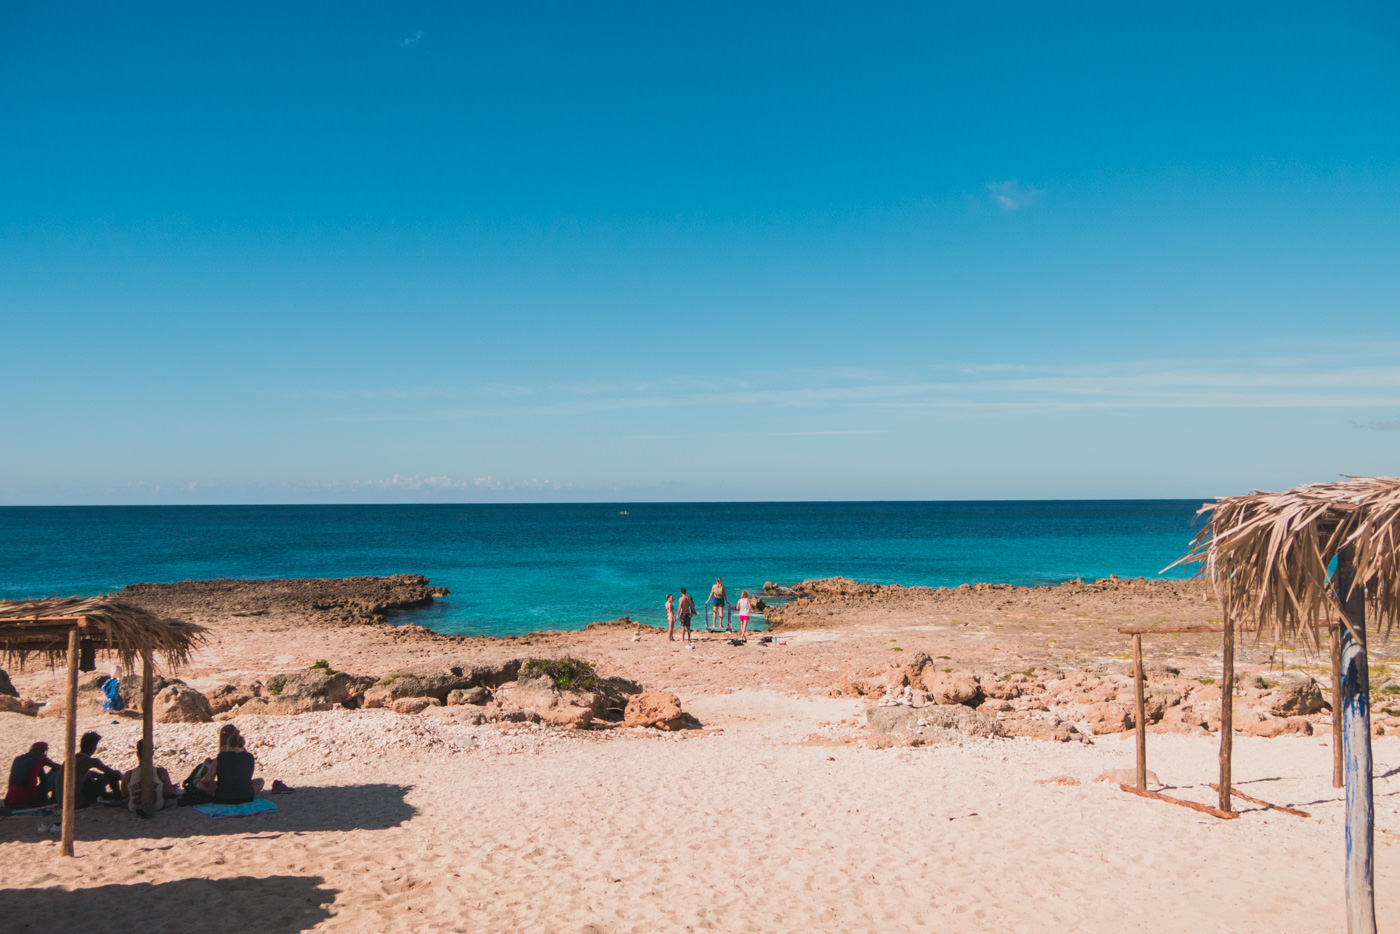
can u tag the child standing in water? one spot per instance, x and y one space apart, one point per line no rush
670 617
744 616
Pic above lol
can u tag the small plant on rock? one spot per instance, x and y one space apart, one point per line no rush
568 674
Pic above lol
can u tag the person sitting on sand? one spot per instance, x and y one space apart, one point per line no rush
229 778
134 793
744 616
31 778
715 605
670 617
684 612
96 780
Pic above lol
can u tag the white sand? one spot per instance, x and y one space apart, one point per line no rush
421 823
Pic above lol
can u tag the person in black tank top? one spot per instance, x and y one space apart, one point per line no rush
228 778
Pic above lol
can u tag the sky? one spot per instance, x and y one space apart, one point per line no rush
268 253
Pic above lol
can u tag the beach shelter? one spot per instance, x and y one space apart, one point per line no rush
1284 564
75 629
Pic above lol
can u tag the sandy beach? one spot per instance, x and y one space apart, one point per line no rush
781 811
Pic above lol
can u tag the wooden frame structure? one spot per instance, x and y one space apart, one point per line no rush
1287 561
1227 725
58 629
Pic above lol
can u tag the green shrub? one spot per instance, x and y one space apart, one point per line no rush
568 674
324 666
275 686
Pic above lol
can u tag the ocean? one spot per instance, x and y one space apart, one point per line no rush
514 569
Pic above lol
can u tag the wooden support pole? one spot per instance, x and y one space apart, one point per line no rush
1203 808
148 751
1227 713
1140 711
70 747
1356 748
1335 639
1262 803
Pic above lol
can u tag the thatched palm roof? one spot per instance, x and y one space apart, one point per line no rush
41 627
1269 554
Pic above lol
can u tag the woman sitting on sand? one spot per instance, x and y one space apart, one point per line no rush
228 778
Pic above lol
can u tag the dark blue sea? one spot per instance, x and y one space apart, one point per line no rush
519 568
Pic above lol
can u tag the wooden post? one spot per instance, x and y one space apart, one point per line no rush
1356 747
148 751
1227 713
1140 712
70 747
1334 639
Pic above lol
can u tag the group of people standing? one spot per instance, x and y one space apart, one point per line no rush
716 606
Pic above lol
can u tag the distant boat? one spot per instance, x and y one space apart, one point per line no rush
623 512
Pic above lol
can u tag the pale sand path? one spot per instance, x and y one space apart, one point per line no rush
747 830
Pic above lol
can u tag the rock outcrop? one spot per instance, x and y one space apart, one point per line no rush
658 710
178 703
909 726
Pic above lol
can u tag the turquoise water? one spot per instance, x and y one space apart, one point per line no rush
519 568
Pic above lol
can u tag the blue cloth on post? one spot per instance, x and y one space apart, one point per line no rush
112 688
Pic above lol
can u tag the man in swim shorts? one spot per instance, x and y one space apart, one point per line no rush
715 605
684 611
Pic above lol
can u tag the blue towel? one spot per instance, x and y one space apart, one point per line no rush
216 811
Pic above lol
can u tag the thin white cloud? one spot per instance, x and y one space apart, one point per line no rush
413 39
1370 380
1011 195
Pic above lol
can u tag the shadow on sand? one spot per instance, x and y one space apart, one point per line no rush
275 905
309 809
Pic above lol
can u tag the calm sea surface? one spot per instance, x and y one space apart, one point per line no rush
517 568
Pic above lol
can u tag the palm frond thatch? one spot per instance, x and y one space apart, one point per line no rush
1270 554
40 627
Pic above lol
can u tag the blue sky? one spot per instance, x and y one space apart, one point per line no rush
608 251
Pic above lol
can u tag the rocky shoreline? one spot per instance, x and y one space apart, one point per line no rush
328 600
958 678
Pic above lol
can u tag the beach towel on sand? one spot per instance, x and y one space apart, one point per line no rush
216 811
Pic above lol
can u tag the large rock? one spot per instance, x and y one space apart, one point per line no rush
129 688
1108 718
412 705
1057 731
438 683
1001 690
6 688
933 724
951 687
1252 723
229 697
475 696
569 716
318 685
657 709
278 706
539 693
1296 697
10 704
177 703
